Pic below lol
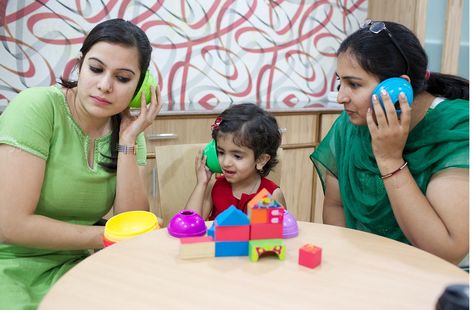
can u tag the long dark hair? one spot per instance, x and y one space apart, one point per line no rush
378 55
125 33
252 127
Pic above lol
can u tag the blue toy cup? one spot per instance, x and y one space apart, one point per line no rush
394 86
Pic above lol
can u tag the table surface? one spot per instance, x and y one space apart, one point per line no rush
358 271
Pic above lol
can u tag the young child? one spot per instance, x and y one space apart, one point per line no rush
247 139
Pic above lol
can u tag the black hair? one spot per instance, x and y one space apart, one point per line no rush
378 55
251 127
125 33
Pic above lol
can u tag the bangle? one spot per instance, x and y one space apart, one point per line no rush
388 175
126 149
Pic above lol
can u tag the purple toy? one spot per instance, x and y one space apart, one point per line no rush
187 223
290 226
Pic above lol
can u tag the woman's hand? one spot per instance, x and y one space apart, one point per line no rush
203 174
132 126
389 133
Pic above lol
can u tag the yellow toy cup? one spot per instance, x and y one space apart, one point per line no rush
129 224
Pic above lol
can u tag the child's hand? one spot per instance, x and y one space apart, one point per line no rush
203 174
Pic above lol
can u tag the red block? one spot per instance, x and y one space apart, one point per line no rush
232 233
266 231
310 256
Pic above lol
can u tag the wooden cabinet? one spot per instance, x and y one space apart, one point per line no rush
301 132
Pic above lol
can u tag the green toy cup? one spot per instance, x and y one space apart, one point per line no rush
212 161
148 81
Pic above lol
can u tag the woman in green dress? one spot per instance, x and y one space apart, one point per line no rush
406 176
68 154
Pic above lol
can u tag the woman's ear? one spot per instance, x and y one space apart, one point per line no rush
262 161
405 77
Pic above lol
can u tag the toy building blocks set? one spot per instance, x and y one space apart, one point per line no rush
258 233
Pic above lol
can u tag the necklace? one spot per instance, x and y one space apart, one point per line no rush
255 187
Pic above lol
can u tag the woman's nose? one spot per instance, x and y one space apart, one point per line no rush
105 84
342 97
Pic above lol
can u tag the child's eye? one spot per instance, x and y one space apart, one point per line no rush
237 156
220 153
338 87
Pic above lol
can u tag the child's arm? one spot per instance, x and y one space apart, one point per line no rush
278 196
200 200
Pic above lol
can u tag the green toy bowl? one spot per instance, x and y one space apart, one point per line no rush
148 81
212 161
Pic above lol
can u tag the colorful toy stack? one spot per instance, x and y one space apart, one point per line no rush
266 226
236 234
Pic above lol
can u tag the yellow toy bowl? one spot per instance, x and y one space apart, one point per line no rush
129 224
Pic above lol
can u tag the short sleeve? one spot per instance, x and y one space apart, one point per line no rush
27 122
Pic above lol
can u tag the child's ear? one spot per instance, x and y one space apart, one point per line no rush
262 161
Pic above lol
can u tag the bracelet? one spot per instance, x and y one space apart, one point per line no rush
388 175
126 149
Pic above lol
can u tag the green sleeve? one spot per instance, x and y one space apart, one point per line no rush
27 122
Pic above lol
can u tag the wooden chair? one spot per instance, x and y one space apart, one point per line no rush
177 178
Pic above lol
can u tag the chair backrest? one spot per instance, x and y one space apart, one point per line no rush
177 177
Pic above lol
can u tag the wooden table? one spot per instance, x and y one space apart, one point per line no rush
358 271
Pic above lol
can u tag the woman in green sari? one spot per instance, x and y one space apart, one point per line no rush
406 176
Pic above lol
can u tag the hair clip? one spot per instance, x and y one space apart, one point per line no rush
216 124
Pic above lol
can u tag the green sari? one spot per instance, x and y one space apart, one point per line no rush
439 141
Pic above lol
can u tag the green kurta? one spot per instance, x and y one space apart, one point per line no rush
38 121
439 141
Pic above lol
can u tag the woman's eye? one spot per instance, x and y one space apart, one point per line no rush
354 85
123 79
95 69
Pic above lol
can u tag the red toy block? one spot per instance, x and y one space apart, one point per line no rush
266 231
310 256
275 215
189 240
232 233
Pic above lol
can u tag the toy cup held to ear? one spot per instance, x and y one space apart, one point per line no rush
148 81
394 86
212 161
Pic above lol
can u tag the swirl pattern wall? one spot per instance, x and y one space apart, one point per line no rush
207 53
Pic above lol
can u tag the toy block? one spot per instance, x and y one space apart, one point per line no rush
259 248
267 202
267 215
232 217
232 248
211 230
232 233
258 215
266 231
310 256
196 247
259 196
